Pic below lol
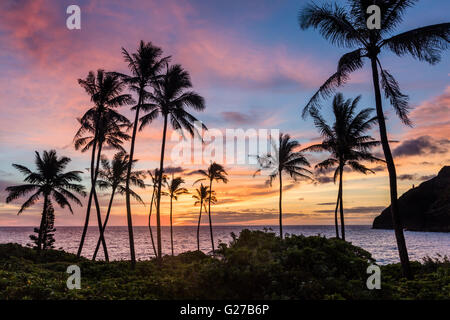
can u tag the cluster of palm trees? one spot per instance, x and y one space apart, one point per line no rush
202 195
154 88
346 140
160 89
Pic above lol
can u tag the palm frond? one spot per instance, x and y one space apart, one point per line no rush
348 63
333 23
399 101
31 201
425 43
15 192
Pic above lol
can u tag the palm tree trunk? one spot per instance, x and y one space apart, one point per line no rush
158 198
127 185
41 227
341 210
88 210
336 215
97 205
209 214
171 231
396 221
198 226
149 222
279 205
113 191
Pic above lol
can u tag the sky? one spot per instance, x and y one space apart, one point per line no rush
255 68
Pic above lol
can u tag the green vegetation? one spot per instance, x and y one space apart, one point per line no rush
255 265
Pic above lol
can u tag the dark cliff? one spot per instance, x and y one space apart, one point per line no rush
423 208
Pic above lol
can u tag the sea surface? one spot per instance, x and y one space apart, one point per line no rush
381 243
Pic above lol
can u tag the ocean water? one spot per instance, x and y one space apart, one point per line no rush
381 243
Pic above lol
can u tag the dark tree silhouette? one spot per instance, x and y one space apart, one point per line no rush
144 66
216 172
113 176
174 190
201 195
50 182
154 177
347 27
102 125
48 233
284 160
348 143
170 99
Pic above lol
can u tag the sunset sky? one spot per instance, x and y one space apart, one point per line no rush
255 68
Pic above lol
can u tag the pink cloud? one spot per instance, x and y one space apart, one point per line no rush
211 54
432 117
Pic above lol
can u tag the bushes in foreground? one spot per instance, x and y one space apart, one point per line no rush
255 265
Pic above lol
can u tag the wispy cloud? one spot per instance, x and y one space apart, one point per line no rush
362 209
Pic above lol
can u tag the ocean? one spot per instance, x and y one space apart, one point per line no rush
381 243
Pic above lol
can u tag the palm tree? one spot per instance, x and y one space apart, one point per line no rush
215 172
174 190
112 176
348 28
171 98
104 125
284 160
144 66
50 182
202 193
154 177
347 142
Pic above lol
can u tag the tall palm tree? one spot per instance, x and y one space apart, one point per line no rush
112 176
50 182
144 66
174 190
170 99
103 124
215 172
202 194
284 160
348 28
154 177
348 143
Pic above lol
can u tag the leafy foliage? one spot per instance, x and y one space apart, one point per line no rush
255 265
